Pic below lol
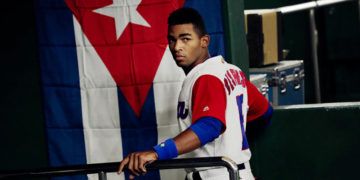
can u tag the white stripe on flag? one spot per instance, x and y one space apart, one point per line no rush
99 102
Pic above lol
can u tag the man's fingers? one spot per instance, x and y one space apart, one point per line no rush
131 166
136 162
148 158
123 163
142 165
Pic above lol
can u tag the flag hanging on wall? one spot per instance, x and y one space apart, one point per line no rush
109 81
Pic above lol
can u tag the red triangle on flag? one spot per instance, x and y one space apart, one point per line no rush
134 57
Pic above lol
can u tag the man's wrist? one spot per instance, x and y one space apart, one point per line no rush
166 150
155 153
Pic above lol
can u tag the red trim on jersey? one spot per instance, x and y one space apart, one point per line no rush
258 104
209 99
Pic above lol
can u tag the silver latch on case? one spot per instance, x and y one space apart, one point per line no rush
297 79
264 89
282 82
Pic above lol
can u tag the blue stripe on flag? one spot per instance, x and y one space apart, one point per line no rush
60 78
211 11
138 133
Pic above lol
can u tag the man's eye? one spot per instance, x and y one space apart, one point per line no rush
186 39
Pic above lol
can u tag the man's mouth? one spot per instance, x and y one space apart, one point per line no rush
179 57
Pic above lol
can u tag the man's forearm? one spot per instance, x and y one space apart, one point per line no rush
198 134
187 141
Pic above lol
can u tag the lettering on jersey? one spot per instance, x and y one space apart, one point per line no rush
182 112
234 78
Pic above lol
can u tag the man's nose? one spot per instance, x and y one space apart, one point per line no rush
178 46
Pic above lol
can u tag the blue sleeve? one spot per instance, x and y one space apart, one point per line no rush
207 129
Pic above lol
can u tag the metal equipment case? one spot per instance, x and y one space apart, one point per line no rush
286 82
260 82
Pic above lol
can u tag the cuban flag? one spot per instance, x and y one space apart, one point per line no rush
110 84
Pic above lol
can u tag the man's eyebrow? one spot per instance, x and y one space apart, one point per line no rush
184 34
181 35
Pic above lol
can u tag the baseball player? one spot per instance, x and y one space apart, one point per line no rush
212 107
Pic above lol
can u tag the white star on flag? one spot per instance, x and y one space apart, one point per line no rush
123 12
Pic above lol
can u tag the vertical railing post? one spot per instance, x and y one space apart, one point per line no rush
232 168
102 175
314 54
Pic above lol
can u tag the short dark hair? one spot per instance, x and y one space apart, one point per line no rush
187 15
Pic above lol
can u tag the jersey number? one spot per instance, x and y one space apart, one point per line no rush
245 144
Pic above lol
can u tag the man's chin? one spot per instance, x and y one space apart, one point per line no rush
180 64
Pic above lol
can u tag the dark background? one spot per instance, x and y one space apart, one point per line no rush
338 52
22 122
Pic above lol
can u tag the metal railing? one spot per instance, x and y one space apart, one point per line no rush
309 5
103 168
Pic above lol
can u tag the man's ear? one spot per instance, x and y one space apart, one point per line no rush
205 41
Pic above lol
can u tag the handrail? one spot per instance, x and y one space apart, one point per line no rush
308 5
103 168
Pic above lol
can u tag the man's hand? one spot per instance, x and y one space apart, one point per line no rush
136 162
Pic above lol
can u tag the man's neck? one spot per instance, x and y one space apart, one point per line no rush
201 60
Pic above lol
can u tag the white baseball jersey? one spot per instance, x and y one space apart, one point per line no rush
216 89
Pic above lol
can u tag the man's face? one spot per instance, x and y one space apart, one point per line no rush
186 47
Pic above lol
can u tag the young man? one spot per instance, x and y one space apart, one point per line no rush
212 109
